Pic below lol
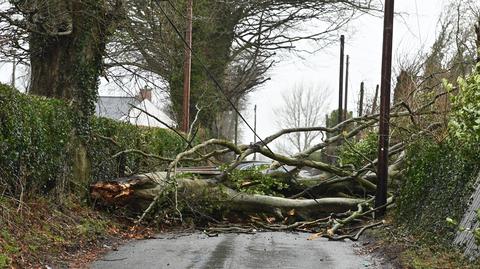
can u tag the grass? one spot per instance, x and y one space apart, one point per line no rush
4 261
405 250
427 257
43 232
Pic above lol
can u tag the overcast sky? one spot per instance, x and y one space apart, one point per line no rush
414 31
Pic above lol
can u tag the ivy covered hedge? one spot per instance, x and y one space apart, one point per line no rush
123 137
34 139
439 181
440 177
38 143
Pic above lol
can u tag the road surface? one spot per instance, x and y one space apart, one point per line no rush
260 250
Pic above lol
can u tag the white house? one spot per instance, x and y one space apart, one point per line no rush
138 110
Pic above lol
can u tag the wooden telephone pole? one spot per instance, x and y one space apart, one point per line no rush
477 31
187 71
362 96
347 69
14 68
382 171
255 130
340 84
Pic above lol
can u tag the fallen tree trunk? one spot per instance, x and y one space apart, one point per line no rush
141 190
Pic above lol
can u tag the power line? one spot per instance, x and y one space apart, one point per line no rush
204 67
220 88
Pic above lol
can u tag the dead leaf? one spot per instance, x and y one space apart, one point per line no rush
315 236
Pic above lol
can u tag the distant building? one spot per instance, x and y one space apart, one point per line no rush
129 109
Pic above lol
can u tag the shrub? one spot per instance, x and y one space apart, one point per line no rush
438 183
440 176
156 141
37 145
465 118
34 134
361 152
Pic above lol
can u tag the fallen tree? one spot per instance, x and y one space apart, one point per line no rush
142 189
340 195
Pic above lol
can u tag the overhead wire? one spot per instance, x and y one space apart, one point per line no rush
219 86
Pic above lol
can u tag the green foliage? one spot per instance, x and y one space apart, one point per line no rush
438 183
161 142
213 42
38 138
8 246
34 137
254 181
475 232
359 153
4 261
92 227
332 119
465 118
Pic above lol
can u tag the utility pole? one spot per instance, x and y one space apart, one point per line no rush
382 170
375 100
345 110
236 125
255 130
14 67
477 31
340 85
187 70
362 94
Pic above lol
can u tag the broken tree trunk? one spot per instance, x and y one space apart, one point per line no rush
336 188
141 190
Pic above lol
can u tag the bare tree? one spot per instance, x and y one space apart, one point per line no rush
236 41
304 106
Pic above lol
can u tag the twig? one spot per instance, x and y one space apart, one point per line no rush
293 226
356 236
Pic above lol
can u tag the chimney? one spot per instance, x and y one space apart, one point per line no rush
145 93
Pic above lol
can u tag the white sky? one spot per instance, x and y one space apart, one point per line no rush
414 31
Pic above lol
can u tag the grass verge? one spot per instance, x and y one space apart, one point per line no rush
40 232
404 250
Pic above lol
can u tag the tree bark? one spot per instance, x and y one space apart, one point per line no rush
139 191
67 48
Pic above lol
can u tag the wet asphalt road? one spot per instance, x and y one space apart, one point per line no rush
261 250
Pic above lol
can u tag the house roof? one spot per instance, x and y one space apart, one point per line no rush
114 107
138 117
124 109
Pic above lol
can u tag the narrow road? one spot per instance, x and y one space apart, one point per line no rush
261 250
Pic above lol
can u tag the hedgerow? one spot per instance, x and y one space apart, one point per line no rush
38 142
34 137
438 183
440 177
124 137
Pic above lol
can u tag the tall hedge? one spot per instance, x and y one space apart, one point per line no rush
37 145
34 137
440 176
124 136
438 184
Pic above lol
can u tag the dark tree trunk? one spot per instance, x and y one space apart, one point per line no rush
66 61
477 31
53 72
66 57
